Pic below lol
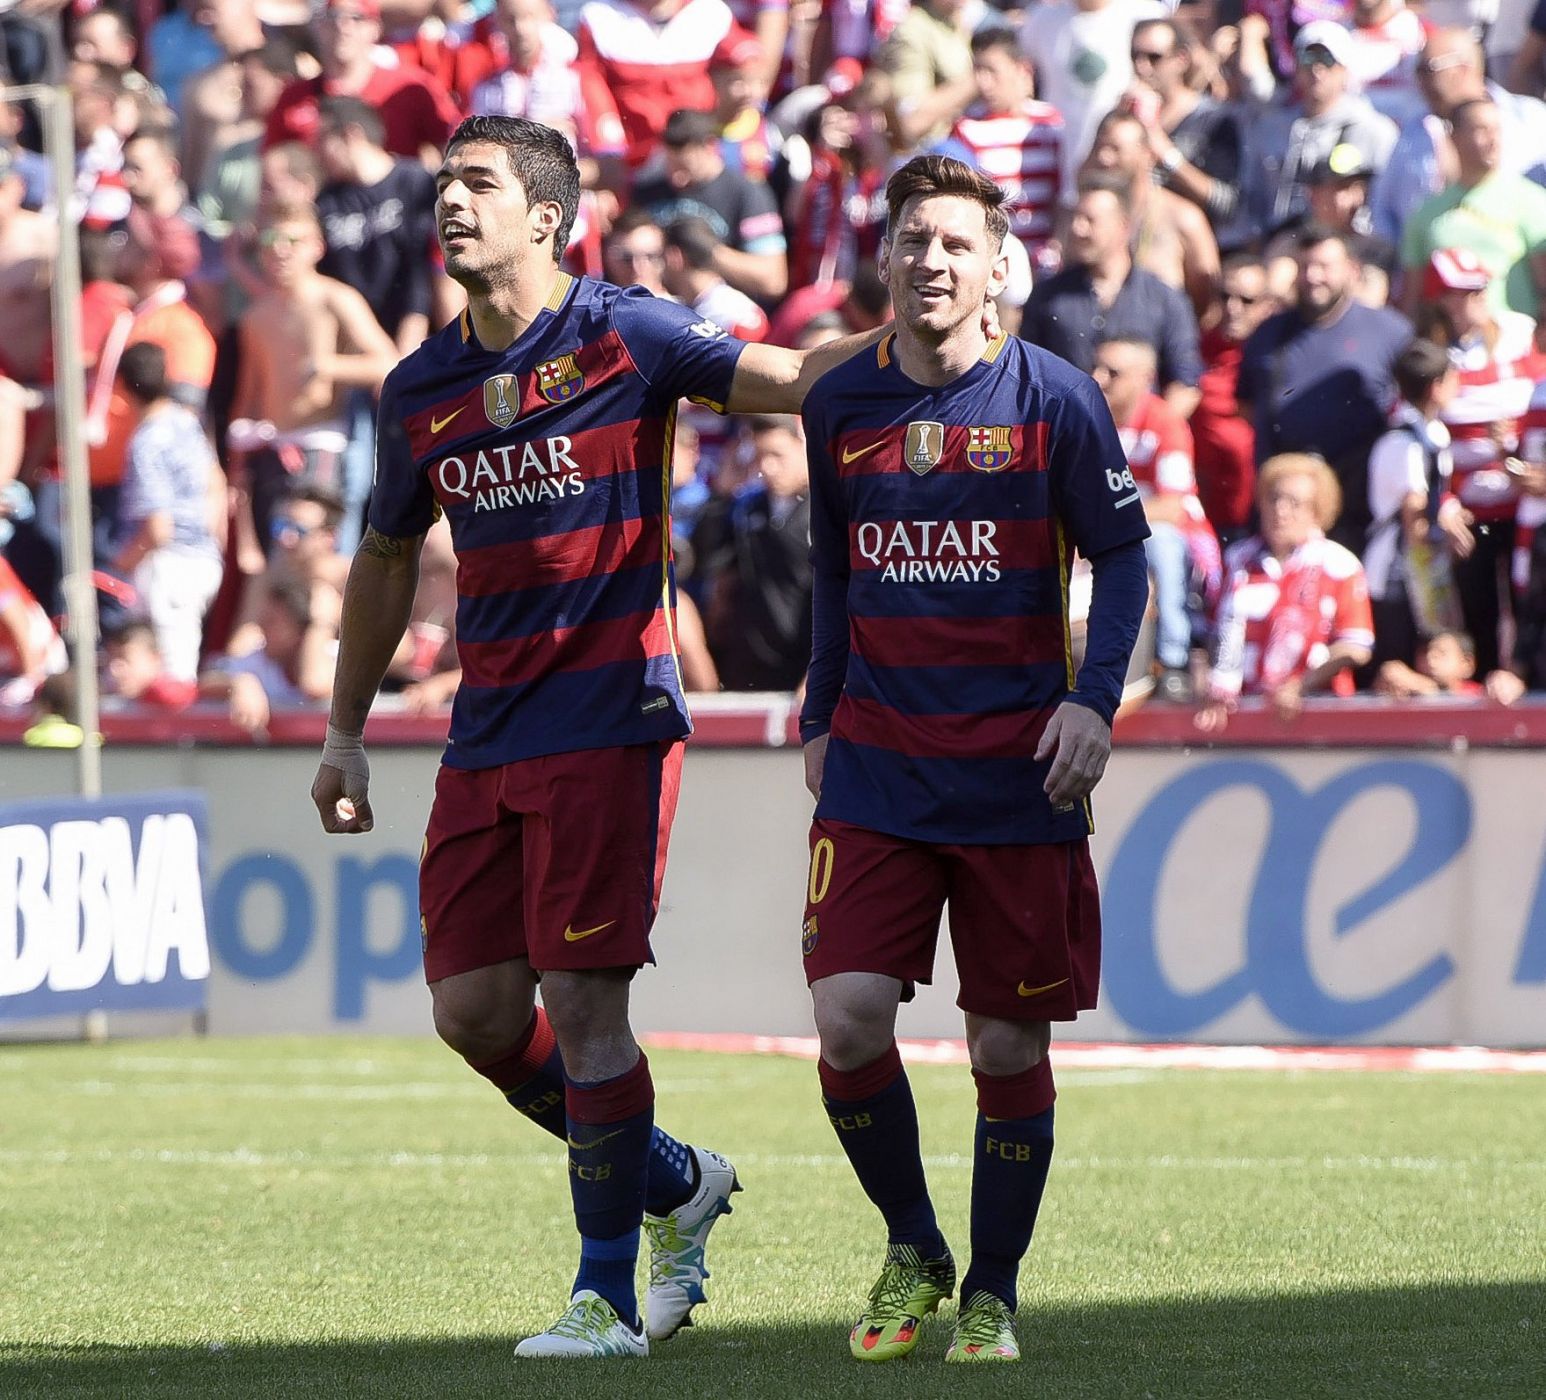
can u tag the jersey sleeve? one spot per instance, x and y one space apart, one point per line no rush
1093 493
1173 458
829 580
1353 621
760 229
402 504
678 353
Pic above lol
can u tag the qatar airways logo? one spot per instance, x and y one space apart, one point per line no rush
502 478
932 551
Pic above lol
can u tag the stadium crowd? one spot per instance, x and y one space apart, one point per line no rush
1300 244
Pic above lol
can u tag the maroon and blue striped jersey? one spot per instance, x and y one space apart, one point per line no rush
943 524
551 461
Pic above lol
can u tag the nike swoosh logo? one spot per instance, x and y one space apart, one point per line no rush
436 424
854 456
1037 991
574 935
595 1142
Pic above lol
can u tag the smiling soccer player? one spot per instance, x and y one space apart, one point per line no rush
949 744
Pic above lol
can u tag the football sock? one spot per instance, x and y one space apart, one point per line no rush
1009 1172
608 1133
531 1077
872 1110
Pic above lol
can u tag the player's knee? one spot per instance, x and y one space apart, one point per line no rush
479 1029
1006 1047
853 1036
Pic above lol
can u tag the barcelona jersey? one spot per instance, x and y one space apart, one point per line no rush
943 524
551 462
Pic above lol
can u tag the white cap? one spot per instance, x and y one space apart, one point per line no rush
1329 35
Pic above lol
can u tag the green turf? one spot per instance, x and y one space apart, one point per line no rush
363 1217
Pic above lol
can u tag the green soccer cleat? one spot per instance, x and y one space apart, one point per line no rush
908 1290
985 1331
588 1330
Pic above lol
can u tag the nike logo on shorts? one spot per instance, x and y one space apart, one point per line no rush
1037 991
574 935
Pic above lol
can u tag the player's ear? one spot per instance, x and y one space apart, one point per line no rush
883 260
545 219
998 274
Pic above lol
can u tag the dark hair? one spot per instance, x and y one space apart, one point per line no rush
868 290
695 241
99 255
1461 109
135 629
142 371
1137 341
635 216
925 176
58 695
294 596
331 502
1117 116
340 113
1418 368
1109 182
1239 261
161 137
277 56
772 423
1312 235
687 127
1464 640
997 36
540 158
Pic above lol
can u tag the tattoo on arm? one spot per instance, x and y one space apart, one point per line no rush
382 546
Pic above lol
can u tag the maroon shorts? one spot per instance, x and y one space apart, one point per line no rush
557 859
1024 920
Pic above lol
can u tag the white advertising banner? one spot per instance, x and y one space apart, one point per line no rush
1250 896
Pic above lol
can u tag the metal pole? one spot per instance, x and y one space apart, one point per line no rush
70 413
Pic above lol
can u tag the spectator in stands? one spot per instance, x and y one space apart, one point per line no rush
1287 143
1338 199
172 492
642 60
1318 377
1446 668
416 112
180 43
159 253
294 665
305 341
929 59
538 79
153 175
747 140
378 219
1294 619
635 252
1527 70
1386 38
1195 140
1418 525
1101 294
1223 434
768 21
690 277
1012 138
1171 236
1181 544
1082 53
860 305
1498 365
30 649
304 535
1498 216
837 214
104 36
135 671
212 104
759 582
28 249
105 113
744 218
1450 71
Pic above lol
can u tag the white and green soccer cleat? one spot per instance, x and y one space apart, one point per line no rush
985 1331
676 1245
589 1329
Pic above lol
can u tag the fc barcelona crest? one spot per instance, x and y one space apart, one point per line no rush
559 380
501 400
924 446
989 449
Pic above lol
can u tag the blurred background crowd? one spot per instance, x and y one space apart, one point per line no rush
1300 244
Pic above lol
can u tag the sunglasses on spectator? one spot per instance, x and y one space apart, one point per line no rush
629 255
1150 56
342 17
1317 57
282 527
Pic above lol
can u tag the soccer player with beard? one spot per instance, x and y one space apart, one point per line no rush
540 423
948 741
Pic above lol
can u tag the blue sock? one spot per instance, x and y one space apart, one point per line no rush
609 1130
877 1125
531 1077
1009 1172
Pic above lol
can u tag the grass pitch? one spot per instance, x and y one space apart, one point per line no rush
339 1217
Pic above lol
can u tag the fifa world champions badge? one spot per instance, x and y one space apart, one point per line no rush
559 380
501 401
924 446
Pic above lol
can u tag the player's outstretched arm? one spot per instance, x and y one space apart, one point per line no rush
377 602
771 379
